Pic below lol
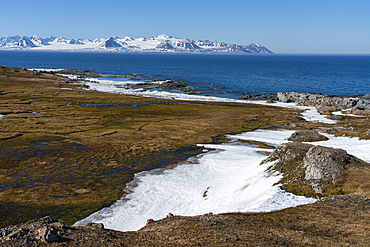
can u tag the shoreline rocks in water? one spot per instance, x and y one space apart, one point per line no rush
270 97
324 103
358 102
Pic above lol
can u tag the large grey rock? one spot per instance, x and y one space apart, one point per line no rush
315 166
287 153
325 163
341 102
307 136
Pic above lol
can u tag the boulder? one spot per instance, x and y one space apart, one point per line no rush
324 165
97 225
47 234
307 136
149 221
311 170
15 234
287 154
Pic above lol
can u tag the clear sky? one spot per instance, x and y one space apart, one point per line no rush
284 26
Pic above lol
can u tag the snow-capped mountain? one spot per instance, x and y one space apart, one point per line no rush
160 43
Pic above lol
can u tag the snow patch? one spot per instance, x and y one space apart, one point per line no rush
227 179
340 113
46 70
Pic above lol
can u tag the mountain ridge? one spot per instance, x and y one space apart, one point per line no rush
161 43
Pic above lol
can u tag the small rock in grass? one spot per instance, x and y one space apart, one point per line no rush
97 225
149 221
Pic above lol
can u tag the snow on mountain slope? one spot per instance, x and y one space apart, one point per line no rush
110 43
160 43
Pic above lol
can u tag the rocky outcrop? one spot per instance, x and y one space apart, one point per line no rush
288 227
360 102
324 165
269 98
307 136
311 170
45 230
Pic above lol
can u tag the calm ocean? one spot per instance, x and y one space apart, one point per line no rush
219 75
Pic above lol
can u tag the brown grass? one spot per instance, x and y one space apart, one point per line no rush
69 160
57 141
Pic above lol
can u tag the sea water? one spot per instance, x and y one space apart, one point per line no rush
229 76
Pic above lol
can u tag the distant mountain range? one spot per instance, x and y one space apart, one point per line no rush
160 43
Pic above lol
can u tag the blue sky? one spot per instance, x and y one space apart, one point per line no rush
284 26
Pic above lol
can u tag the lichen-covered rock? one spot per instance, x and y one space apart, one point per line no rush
325 163
287 154
47 234
307 136
310 170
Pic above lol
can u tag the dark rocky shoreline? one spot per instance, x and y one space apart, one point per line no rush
356 102
328 103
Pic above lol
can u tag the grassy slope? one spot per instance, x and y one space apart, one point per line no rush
67 151
68 160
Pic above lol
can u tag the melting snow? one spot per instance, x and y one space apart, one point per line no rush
227 179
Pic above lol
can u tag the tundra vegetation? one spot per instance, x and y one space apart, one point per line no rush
66 151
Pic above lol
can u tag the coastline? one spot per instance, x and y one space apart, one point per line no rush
317 107
253 121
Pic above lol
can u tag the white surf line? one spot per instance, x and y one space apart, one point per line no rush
2 116
73 77
310 113
46 70
229 179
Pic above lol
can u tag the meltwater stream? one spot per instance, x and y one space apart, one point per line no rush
227 179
